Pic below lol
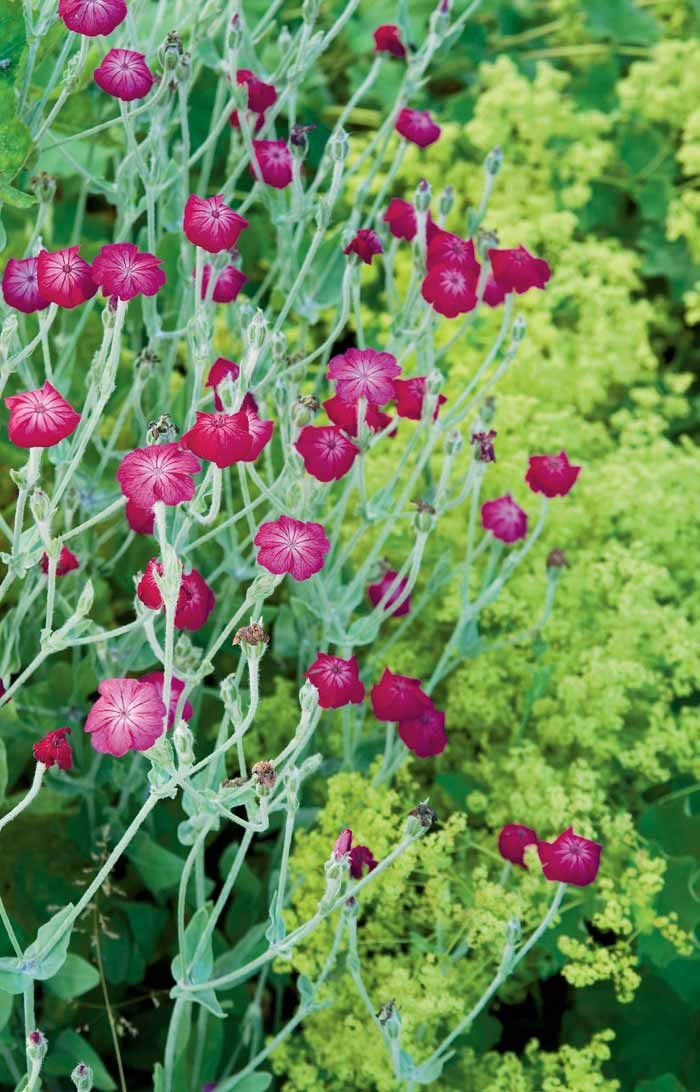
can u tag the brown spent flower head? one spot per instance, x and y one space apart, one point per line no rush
423 506
254 634
556 559
264 774
425 815
386 1012
233 782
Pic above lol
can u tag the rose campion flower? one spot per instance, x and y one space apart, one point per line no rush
504 519
344 415
128 716
398 697
63 277
343 844
327 453
337 681
493 293
364 373
157 679
212 225
54 748
365 244
67 561
387 39
517 270
219 371
361 858
147 589
376 593
485 451
291 546
418 127
260 431
425 734
20 287
261 95
124 75
92 17
195 600
447 249
122 270
226 286
141 520
274 163
401 218
40 418
552 475
410 395
162 472
513 840
570 859
449 291
221 438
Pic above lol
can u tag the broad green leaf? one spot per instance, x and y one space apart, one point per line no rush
12 41
207 998
15 138
47 954
620 20
159 868
199 970
76 976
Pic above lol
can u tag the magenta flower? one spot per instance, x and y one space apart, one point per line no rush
449 291
570 859
401 218
124 75
156 679
552 475
447 249
67 561
147 589
122 270
20 286
504 519
63 277
513 840
410 395
128 716
361 858
274 163
376 593
261 95
211 224
398 697
40 418
344 415
92 17
343 844
425 734
260 431
195 600
364 373
493 293
517 270
365 244
387 39
290 546
337 681
54 748
221 438
418 127
158 473
484 442
327 453
227 285
220 369
140 520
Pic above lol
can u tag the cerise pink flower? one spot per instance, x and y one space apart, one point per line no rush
157 679
226 286
162 472
364 373
398 697
140 520
67 562
517 270
425 734
449 290
221 438
211 224
54 748
274 163
513 840
570 859
40 418
344 414
92 17
361 858
63 277
219 371
376 593
260 431
387 39
261 95
447 249
124 75
122 270
195 600
366 243
410 395
342 844
504 519
291 546
20 287
552 475
327 452
337 681
128 716
418 127
401 218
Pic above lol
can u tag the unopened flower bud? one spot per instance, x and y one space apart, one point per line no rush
257 330
446 200
454 442
82 1077
390 1019
435 382
170 51
343 844
71 73
184 744
299 140
423 196
424 518
309 10
263 586
85 600
556 559
493 161
278 344
44 186
339 146
39 505
304 409
513 932
425 815
182 69
308 697
519 329
487 410
187 656
485 241
36 1046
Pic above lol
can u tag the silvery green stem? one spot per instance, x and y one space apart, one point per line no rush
26 800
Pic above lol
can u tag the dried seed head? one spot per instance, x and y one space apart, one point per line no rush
556 559
425 815
423 506
485 452
254 634
161 431
264 774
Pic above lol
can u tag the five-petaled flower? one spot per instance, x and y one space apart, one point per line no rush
122 270
40 418
365 243
398 697
124 75
425 734
513 840
447 249
221 438
570 859
273 163
162 472
20 285
128 716
288 545
401 218
63 277
92 17
552 475
344 414
504 519
449 290
260 431
54 748
364 373
67 561
387 39
410 395
418 127
261 96
517 270
378 591
337 681
327 452
361 858
211 224
226 286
